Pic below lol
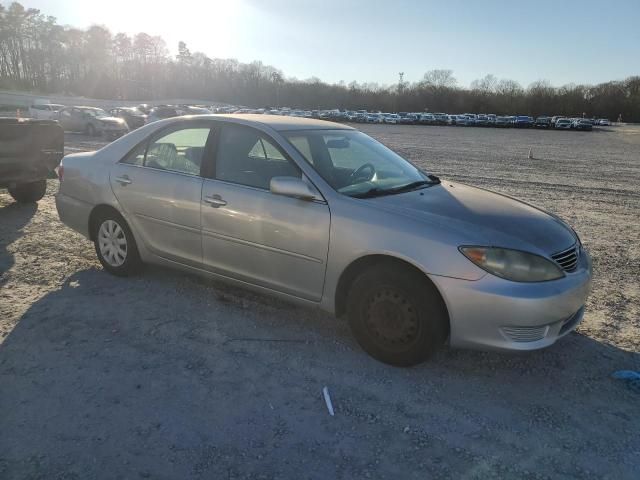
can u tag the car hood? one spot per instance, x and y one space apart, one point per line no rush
112 120
481 217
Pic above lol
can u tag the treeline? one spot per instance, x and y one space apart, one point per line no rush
38 54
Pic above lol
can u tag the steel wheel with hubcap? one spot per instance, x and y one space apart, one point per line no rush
115 245
112 243
396 314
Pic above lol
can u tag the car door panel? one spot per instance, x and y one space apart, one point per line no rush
77 123
164 208
158 184
270 240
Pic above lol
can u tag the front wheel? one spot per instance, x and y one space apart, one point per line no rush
28 192
115 246
397 315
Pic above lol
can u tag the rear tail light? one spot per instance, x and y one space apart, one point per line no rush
60 172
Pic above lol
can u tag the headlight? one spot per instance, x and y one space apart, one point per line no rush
513 264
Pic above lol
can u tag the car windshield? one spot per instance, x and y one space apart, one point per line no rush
97 112
355 164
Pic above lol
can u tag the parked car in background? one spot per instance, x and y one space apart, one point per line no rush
441 118
503 122
91 121
472 118
161 112
144 108
339 222
562 123
491 119
134 117
542 122
604 122
194 110
360 117
391 118
482 120
427 119
464 121
523 121
45 111
408 119
582 124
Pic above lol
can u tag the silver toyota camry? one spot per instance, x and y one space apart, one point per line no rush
324 215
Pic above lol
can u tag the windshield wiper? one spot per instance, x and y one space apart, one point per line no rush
411 186
372 192
377 192
434 179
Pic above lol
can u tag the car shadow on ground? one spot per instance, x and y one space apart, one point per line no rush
170 376
13 218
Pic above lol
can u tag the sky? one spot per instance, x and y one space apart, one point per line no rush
563 41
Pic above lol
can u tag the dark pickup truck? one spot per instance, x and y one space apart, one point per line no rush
30 150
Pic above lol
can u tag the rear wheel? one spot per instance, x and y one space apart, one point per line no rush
115 246
29 192
397 315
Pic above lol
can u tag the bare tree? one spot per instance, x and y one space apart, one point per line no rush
36 53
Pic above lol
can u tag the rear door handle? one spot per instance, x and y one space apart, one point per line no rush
215 201
123 180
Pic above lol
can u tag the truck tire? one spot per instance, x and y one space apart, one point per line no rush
29 192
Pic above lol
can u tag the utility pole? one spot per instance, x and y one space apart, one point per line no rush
400 88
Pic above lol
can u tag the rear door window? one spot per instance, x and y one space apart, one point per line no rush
180 151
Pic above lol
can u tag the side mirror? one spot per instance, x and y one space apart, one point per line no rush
291 187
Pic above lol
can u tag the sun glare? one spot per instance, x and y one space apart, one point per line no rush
204 26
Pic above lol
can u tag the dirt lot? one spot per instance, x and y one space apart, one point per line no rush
171 376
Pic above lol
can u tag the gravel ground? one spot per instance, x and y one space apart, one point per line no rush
167 375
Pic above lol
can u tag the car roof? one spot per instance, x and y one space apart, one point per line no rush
280 123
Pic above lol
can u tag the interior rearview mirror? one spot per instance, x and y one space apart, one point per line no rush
291 187
338 143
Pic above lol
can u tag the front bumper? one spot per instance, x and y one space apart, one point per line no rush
496 314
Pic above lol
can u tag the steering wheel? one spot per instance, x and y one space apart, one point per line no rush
357 174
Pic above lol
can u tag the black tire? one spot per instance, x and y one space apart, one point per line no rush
91 130
130 261
29 192
397 315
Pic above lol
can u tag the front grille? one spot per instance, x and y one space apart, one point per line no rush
526 334
567 259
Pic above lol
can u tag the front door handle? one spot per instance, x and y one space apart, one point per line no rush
123 180
215 201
